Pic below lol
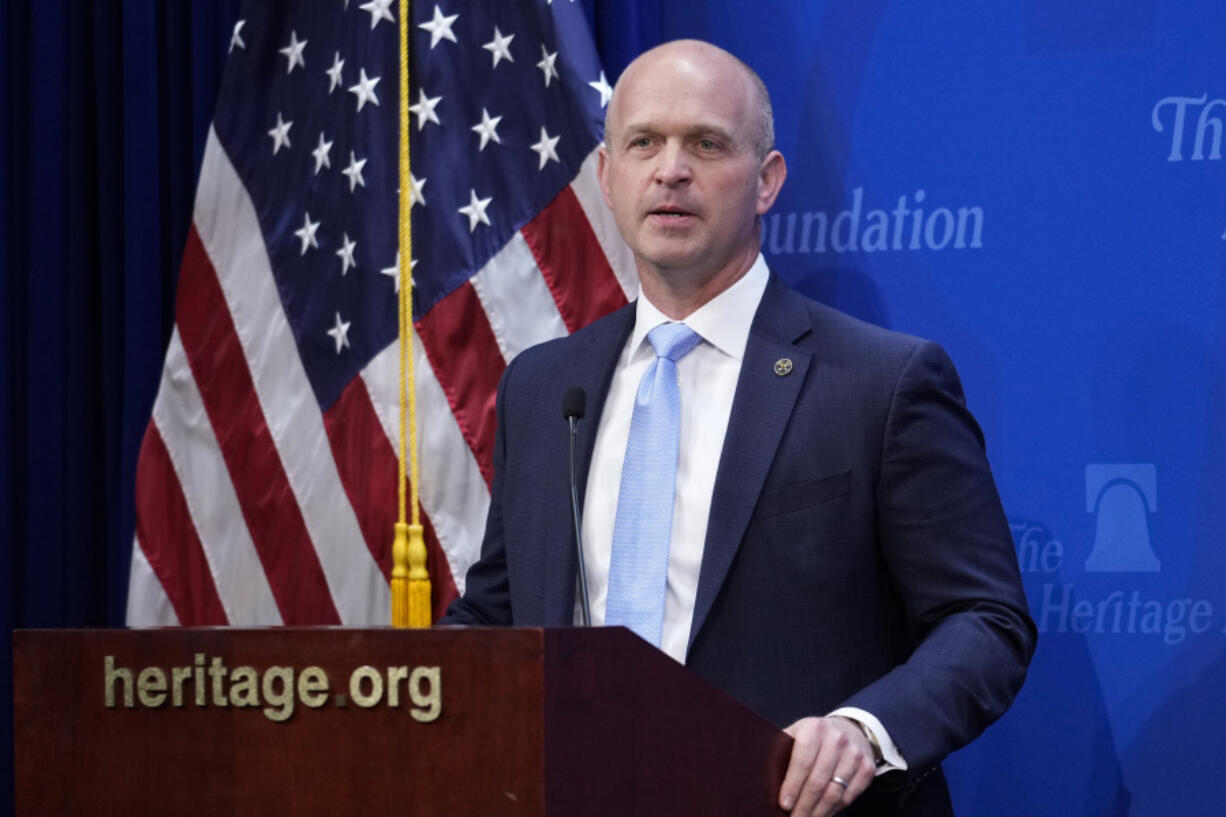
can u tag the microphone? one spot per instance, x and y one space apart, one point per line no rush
573 404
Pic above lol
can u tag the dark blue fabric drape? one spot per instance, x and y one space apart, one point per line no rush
104 108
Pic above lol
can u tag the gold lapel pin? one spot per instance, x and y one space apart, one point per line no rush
783 366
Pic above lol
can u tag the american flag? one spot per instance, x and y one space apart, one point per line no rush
266 485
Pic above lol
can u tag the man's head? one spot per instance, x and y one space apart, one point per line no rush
764 142
688 167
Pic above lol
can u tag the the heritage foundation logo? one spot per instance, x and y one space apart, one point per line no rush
1115 598
1121 497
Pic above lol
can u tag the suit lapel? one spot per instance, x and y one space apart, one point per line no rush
590 367
761 409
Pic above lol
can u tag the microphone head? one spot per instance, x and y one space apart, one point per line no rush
573 403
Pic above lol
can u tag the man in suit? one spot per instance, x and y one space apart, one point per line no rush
826 542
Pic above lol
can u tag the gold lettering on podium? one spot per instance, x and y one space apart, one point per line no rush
278 689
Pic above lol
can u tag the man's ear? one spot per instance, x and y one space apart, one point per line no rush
602 173
771 175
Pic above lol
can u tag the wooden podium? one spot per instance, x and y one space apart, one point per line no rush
333 721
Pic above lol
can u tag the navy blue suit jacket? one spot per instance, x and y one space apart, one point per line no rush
857 553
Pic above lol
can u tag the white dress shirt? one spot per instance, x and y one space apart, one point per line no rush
707 381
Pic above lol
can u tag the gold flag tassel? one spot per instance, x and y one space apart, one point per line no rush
410 579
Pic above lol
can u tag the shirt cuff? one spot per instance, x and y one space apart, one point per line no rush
892 759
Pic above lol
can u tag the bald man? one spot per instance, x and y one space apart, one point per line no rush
793 503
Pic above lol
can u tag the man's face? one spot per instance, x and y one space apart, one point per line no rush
681 172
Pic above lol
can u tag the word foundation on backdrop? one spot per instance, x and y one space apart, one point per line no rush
908 226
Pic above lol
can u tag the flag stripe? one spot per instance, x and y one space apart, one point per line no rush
442 586
164 529
572 262
229 229
209 495
268 504
367 467
586 188
466 359
148 604
453 493
517 301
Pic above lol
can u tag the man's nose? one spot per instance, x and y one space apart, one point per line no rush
674 165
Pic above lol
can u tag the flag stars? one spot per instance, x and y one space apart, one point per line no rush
378 11
548 65
499 47
546 148
236 39
334 73
340 333
321 154
293 52
346 253
306 234
354 172
475 210
487 128
393 271
280 134
365 89
415 188
424 109
440 28
606 92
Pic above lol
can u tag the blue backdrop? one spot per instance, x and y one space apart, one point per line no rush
1036 184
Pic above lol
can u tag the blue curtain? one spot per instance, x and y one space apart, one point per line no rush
104 109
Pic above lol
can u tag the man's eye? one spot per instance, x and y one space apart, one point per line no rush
641 142
707 144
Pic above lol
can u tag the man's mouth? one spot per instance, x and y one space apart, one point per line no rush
670 212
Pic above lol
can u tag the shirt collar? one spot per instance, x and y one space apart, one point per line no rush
722 321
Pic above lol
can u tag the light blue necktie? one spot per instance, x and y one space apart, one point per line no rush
638 567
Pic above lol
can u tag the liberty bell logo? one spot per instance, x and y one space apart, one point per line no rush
1121 497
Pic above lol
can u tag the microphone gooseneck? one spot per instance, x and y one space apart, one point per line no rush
574 401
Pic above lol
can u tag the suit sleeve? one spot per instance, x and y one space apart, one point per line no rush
947 546
486 600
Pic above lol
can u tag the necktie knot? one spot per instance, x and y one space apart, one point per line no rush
673 340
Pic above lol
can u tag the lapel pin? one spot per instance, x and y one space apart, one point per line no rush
783 366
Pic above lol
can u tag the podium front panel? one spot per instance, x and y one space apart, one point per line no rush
260 722
335 721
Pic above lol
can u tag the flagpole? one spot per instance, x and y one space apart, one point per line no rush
410 579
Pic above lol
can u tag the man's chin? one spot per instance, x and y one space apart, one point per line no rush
672 267
671 256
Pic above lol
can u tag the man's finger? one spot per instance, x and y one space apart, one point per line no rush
822 796
819 796
804 753
853 774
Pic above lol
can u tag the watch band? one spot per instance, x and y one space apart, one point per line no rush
878 757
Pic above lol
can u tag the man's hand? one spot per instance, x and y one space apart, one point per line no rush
832 764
